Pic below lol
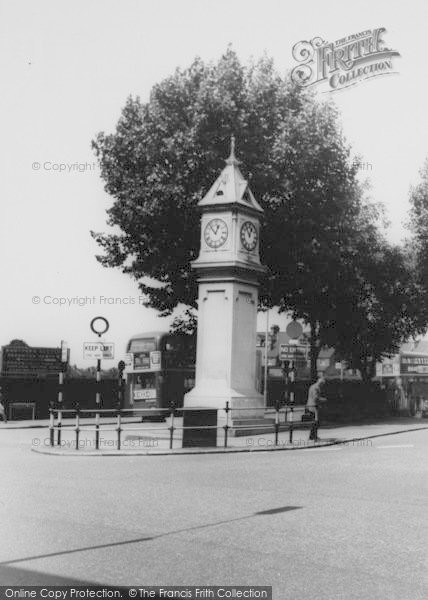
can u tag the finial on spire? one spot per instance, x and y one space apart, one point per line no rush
232 160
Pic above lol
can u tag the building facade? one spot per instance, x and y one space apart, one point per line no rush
405 377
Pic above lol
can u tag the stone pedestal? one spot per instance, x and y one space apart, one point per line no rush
226 350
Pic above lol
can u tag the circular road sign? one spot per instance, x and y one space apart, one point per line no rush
99 325
294 330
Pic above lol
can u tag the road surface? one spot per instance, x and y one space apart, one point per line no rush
324 523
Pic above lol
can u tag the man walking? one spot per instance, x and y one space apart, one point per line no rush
312 404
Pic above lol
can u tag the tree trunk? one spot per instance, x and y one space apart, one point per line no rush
371 371
367 369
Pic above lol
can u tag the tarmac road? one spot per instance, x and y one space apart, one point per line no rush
323 523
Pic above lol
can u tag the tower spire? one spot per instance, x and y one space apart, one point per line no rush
232 160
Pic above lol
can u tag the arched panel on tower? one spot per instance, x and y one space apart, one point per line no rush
243 368
214 323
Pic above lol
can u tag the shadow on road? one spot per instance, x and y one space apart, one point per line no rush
4 564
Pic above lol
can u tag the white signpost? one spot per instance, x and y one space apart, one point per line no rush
98 350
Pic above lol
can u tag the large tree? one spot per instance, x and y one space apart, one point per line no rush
166 153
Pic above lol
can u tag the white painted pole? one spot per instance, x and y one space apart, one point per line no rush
266 359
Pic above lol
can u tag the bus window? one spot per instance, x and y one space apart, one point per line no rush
147 345
141 360
141 351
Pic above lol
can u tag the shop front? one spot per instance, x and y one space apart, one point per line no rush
405 377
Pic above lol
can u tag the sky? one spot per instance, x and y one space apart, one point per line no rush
67 69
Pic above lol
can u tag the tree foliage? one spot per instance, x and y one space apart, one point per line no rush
418 246
380 308
166 153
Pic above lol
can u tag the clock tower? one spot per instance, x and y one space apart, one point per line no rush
228 269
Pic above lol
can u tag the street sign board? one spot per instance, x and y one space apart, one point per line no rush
19 359
413 363
98 350
294 330
389 367
292 352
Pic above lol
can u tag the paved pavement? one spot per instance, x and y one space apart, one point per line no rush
154 438
346 521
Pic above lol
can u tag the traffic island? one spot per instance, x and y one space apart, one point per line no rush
136 445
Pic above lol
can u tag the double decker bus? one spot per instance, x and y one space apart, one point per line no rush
162 370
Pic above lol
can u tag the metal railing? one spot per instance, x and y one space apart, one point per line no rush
284 419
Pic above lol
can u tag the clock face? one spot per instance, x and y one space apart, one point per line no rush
215 233
249 236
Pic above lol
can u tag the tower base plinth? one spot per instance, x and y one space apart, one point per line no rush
245 407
